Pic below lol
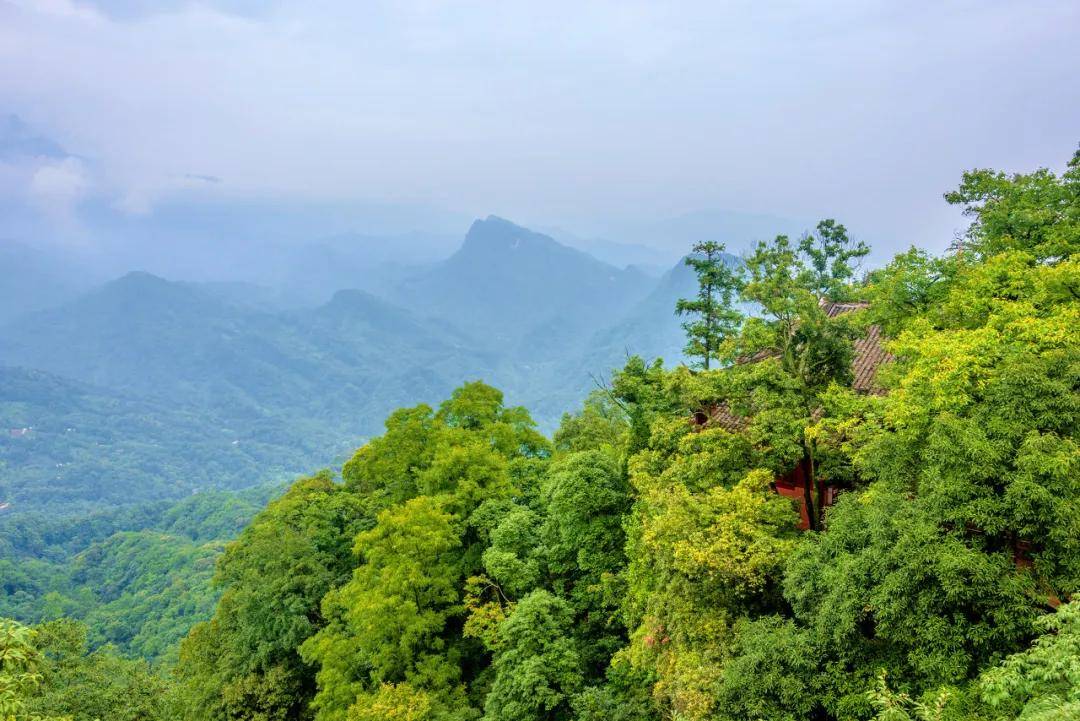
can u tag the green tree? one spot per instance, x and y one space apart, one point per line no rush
538 668
587 500
798 349
20 676
706 546
772 672
887 587
244 661
716 319
1041 683
400 702
389 623
1037 213
602 421
830 257
396 627
87 685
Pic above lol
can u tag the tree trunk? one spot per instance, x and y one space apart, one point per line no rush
808 493
819 485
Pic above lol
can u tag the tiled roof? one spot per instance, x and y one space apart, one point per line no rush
869 355
724 418
833 309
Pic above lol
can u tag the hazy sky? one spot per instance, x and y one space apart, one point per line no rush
584 115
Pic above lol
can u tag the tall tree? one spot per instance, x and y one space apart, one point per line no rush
1043 682
829 260
388 624
715 317
1038 212
86 685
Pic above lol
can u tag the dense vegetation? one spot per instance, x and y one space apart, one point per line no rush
136 577
88 450
639 565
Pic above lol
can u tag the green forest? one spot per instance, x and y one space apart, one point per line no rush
643 562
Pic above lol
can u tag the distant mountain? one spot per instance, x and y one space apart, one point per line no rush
649 329
172 386
298 387
139 334
520 291
375 263
250 296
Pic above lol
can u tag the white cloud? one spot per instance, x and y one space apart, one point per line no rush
56 187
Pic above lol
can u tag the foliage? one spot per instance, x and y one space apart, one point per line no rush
244 660
538 667
1041 683
396 621
138 577
20 679
829 254
717 317
1038 212
87 685
90 450
885 587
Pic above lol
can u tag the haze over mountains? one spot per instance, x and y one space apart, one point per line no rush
144 387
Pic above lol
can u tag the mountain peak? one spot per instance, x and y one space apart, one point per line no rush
139 278
144 290
499 235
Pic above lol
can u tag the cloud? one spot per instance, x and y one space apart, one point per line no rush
56 187
586 114
37 170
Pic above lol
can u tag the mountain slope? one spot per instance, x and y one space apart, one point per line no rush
649 328
70 446
170 341
170 388
521 292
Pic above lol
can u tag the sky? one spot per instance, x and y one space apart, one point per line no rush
601 118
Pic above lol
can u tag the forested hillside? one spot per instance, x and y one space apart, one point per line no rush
644 562
147 388
74 447
138 576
